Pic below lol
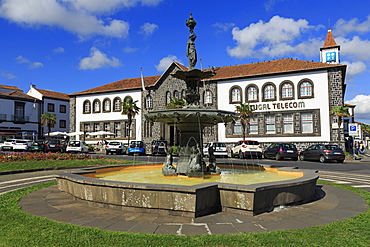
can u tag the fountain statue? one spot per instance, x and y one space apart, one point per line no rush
191 119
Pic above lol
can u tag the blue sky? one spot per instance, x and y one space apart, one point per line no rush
72 45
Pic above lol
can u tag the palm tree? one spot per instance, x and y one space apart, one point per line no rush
245 113
340 112
130 109
176 103
48 119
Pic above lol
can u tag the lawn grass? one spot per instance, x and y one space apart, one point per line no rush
40 164
18 228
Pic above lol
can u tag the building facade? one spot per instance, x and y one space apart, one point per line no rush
292 101
19 114
55 103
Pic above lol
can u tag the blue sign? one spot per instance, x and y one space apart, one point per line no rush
331 56
353 128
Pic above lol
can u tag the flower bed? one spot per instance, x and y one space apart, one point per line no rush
8 157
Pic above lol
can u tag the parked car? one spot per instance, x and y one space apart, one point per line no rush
280 151
77 147
22 145
37 146
247 148
136 147
159 147
323 153
219 149
8 145
115 147
53 146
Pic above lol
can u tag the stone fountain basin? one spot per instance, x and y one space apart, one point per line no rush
188 201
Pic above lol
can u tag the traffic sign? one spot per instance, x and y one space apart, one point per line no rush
353 129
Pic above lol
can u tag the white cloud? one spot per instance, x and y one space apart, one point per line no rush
354 69
273 38
354 48
148 29
362 109
97 60
270 4
31 65
165 62
129 49
8 75
223 27
59 50
343 27
109 5
58 13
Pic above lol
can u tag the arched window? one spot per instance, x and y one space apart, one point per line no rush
235 95
183 93
287 90
87 106
106 105
127 98
96 106
305 89
269 92
176 94
149 102
117 104
208 97
252 93
168 98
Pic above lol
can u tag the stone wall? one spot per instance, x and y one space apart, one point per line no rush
167 83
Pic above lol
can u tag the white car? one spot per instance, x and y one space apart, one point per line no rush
77 147
247 148
22 145
8 145
115 147
219 149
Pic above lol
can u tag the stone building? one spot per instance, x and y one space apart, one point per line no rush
292 100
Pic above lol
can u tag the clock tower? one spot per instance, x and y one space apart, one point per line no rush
329 53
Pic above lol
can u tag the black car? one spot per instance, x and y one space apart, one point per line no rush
280 151
323 153
159 147
53 146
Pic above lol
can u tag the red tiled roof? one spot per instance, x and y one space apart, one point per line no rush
19 95
329 41
10 88
52 94
270 67
222 73
125 84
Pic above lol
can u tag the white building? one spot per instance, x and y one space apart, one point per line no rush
19 114
292 100
55 103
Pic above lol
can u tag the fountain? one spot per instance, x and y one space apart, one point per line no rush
191 119
198 199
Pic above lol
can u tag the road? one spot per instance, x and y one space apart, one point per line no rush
356 174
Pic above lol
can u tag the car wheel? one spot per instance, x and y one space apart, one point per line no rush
322 159
277 157
106 153
241 155
340 161
295 159
301 157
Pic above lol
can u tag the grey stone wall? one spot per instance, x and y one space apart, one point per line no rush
335 80
167 83
72 114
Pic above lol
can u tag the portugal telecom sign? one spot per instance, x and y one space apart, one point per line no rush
353 129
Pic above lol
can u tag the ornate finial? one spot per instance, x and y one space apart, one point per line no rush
190 22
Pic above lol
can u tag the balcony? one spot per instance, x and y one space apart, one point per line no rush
21 119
